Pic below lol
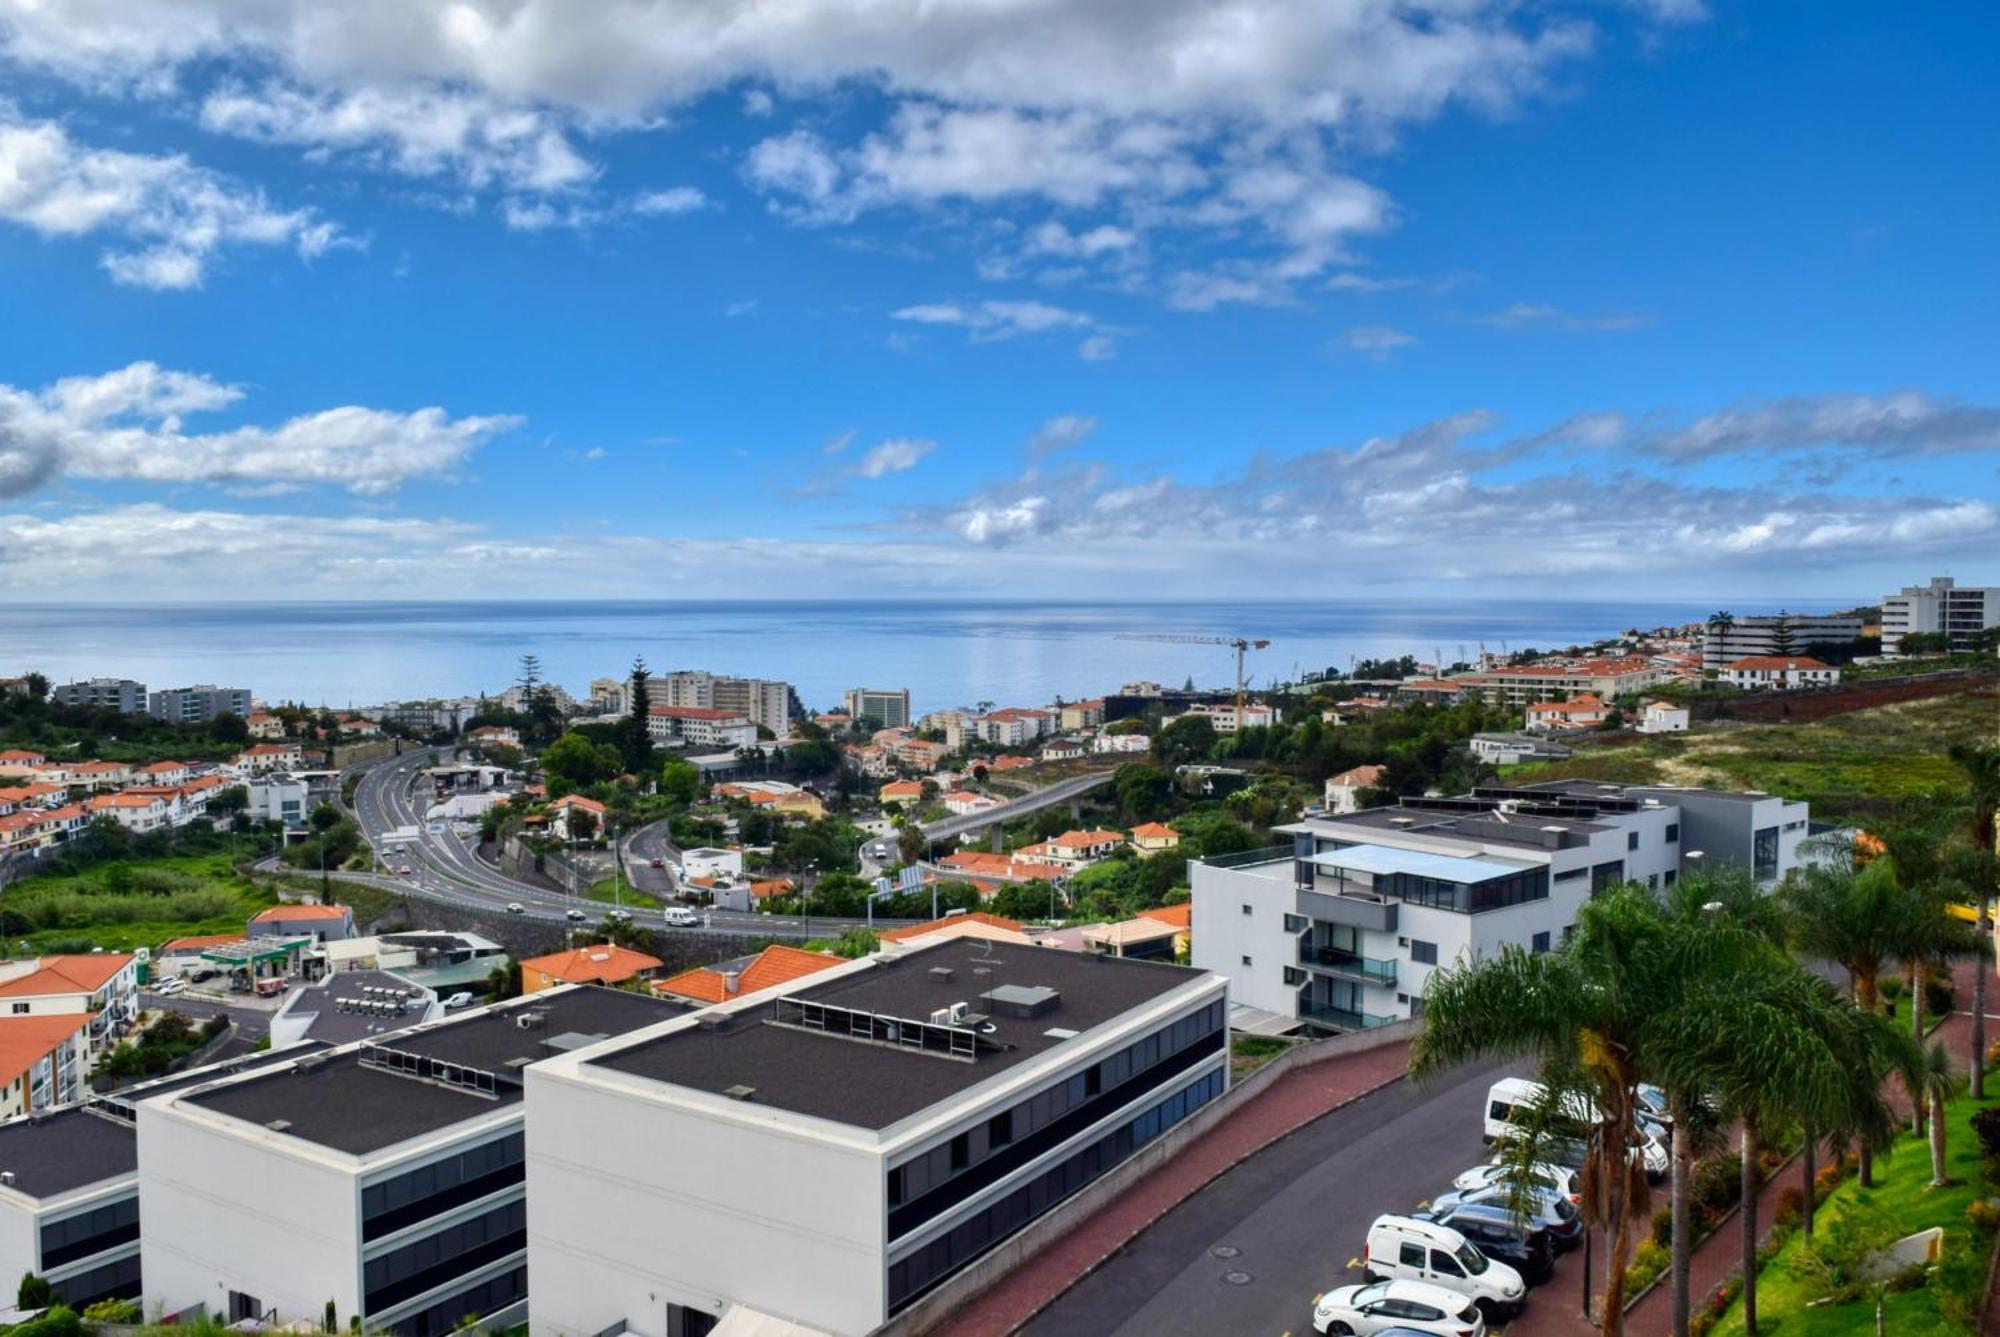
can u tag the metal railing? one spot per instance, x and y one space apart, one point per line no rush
1340 961
1244 859
1340 1018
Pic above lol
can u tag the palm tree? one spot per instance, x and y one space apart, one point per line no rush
1936 1083
1981 764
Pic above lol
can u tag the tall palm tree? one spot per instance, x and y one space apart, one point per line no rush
1981 764
1937 1082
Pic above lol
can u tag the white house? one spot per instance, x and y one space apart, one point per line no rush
1663 717
1579 712
1768 673
1343 791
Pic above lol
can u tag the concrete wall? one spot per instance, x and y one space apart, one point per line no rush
242 1209
1223 935
953 1295
20 1251
636 1201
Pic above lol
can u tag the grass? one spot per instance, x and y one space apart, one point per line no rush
601 890
1846 766
1247 1053
1900 1192
130 903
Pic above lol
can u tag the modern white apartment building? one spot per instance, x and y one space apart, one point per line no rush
828 1156
889 707
764 702
385 1176
1767 634
194 705
1341 930
701 726
1943 607
120 694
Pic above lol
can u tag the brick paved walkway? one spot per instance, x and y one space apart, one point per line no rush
1291 1102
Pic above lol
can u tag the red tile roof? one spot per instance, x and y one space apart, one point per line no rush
279 914
977 916
600 963
1154 831
25 1041
1177 915
83 973
771 967
697 713
1777 663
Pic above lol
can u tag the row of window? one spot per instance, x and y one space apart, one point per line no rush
462 1247
90 1232
932 1264
449 1314
437 1187
1530 884
117 1280
931 1168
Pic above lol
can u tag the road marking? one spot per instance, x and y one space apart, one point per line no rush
1353 1263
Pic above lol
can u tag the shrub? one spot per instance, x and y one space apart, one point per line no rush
1940 996
113 1311
1891 988
1715 1184
1768 1161
1649 1260
1984 1213
60 1321
34 1292
1829 1176
1663 1227
1791 1205
1986 1126
1700 1325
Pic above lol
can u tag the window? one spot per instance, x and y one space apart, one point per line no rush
1764 854
1246 960
1294 977
1673 832
1000 1129
1541 942
685 1322
1606 875
1246 909
1411 1255
1445 1265
1423 953
1631 840
961 1150
19 1008
1672 876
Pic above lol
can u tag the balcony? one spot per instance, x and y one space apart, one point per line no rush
1348 965
1363 910
1340 1018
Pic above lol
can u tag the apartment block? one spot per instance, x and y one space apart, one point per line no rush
1341 930
864 1134
386 1177
889 707
701 726
120 694
1524 684
1725 643
771 704
1941 608
199 704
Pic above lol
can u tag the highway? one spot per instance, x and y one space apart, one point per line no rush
1062 791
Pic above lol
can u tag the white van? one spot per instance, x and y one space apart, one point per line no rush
1402 1248
679 916
1509 1100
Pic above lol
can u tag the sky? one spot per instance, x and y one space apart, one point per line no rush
996 298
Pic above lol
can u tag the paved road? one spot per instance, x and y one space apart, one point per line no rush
1062 791
1297 1212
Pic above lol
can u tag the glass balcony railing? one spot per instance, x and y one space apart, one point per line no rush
1353 965
1340 1018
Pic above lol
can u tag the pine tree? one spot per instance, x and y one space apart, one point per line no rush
1784 640
635 741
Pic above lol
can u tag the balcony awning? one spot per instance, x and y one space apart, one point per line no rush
1379 860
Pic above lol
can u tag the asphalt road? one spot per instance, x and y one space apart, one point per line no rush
1296 1213
1062 791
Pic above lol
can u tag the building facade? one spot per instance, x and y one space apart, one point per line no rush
701 726
120 694
1775 634
761 701
889 707
198 704
1941 608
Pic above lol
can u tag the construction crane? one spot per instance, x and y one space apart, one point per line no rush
1240 644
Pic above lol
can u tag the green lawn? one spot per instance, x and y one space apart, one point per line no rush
1900 1192
601 890
131 903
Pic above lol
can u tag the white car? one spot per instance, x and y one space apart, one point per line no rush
516 908
1389 1306
1556 1178
458 1000
170 986
679 916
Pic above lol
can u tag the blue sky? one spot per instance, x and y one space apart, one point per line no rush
1022 298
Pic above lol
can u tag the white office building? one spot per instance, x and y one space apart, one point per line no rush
1341 930
889 707
385 1177
1941 608
828 1157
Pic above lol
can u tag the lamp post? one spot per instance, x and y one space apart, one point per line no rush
805 894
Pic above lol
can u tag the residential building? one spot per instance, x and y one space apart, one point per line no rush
1342 929
1555 680
1077 716
710 862
877 1127
1226 718
768 969
920 754
905 792
612 696
385 1178
279 796
889 707
965 802
321 923
771 704
20 762
42 1061
774 796
198 704
1139 939
266 726
598 963
1153 837
701 726
119 694
1586 711
1775 634
1121 742
1941 608
429 717
134 810
1774 673
575 817
104 986
1343 791
1011 727
1663 717
168 773
1508 749
515 698
262 758
1074 849
96 775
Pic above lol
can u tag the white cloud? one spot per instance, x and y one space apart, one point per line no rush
176 214
992 320
1065 431
1903 423
127 424
673 200
1540 315
1376 341
757 102
1097 348
894 456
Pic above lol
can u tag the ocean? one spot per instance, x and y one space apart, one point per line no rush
948 653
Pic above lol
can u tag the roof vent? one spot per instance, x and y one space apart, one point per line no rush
532 1021
712 1021
739 1092
280 1125
7 1178
942 974
1402 821
1021 1001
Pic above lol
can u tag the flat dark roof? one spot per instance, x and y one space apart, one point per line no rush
350 1106
831 1076
210 1072
66 1150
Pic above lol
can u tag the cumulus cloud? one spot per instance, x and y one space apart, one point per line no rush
1097 348
1065 431
673 200
170 216
893 456
127 424
1904 423
993 320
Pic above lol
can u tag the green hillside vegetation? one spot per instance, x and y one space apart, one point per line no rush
1848 766
126 904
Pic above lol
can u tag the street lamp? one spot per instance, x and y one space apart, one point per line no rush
805 894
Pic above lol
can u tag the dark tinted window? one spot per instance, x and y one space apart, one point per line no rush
1411 1255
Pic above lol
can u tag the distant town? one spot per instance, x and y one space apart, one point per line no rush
915 983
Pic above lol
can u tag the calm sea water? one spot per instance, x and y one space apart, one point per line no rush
946 653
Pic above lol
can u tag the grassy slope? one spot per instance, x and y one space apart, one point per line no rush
1900 1179
213 870
1843 765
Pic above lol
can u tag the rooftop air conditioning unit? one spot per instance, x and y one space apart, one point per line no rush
959 1012
531 1021
941 1017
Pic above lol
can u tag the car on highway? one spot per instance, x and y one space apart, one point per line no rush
1419 1248
1384 1307
405 871
516 908
679 916
575 916
1542 1209
659 863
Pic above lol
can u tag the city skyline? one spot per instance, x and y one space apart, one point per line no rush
1024 301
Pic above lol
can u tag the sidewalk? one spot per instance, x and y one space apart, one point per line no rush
1293 1101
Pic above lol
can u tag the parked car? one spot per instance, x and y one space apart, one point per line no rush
1557 1178
1496 1231
516 908
170 986
1509 1100
1545 1210
679 916
1414 1248
1384 1307
459 1000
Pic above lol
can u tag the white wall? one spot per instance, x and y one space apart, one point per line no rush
638 1199
227 1206
1223 935
19 1227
